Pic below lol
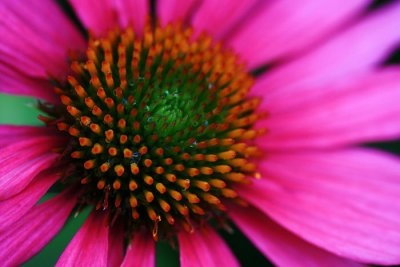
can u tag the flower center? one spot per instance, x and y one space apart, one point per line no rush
160 127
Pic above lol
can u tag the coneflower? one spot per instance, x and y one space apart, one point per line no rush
170 124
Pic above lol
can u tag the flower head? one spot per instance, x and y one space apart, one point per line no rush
160 127
170 124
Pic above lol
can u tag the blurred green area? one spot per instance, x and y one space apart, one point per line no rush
18 110
22 111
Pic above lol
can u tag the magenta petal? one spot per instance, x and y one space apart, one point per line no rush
132 12
27 236
115 246
279 245
205 248
89 247
9 134
88 12
41 45
141 251
344 201
339 113
113 13
219 17
15 82
280 28
15 207
22 161
175 10
372 40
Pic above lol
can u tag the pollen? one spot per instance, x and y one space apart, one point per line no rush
160 127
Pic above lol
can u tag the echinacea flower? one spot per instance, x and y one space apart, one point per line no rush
172 119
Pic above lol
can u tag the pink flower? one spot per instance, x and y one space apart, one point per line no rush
315 196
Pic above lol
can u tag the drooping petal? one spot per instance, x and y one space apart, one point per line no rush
22 161
363 109
17 206
344 201
278 244
32 48
27 236
10 134
219 17
113 13
89 247
281 28
141 251
356 50
175 10
115 246
205 248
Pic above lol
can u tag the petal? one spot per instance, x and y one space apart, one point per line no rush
344 201
89 247
141 251
279 245
372 40
18 205
88 12
22 161
205 248
285 27
175 10
340 113
33 47
10 134
115 246
113 13
27 236
219 17
15 82
132 12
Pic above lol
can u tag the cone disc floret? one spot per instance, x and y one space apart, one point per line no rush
159 126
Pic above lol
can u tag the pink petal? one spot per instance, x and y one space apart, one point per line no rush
175 10
344 201
113 13
89 247
27 236
285 27
279 245
219 17
340 113
356 50
42 45
10 134
205 248
22 161
18 205
17 83
141 251
88 12
132 12
115 246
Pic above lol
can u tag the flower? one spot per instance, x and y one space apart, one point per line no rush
154 125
